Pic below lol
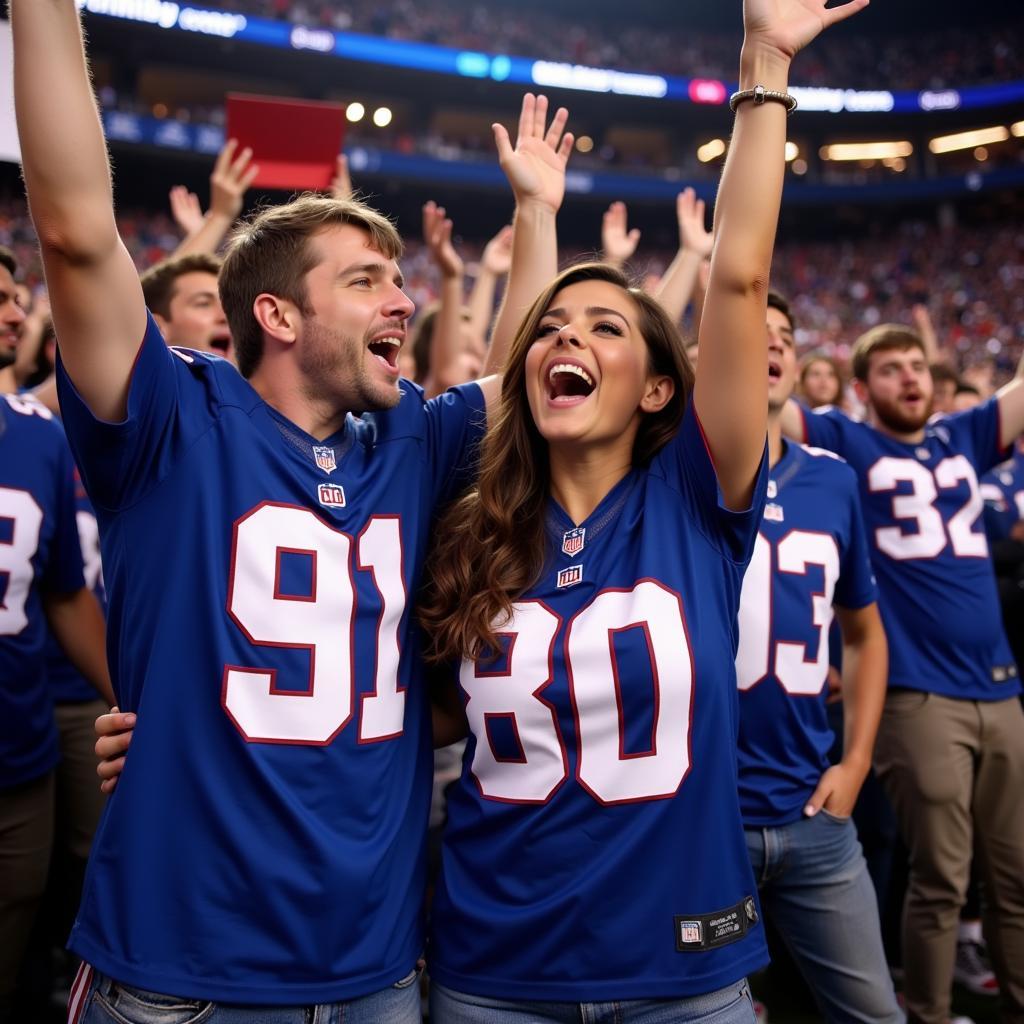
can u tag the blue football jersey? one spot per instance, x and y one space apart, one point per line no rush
594 847
1002 490
811 552
265 842
922 509
67 684
38 552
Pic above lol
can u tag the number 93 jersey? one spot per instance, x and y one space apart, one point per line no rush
594 848
922 509
265 841
38 552
811 552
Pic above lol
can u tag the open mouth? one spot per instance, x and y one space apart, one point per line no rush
386 350
221 343
774 370
569 384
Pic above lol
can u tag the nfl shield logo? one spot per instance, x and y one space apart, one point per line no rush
572 541
690 933
324 457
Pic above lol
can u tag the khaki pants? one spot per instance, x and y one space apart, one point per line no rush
26 836
954 771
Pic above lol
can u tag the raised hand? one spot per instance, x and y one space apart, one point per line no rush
230 180
341 183
185 209
437 233
617 243
693 234
497 256
786 26
536 167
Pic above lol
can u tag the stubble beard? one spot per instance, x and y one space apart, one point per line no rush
334 367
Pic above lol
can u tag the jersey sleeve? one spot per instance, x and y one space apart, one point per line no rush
976 433
168 408
856 587
64 572
687 459
826 428
455 427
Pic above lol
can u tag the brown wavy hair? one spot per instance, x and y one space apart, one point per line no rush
490 545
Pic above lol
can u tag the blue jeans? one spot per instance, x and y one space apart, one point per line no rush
816 890
106 1001
729 1005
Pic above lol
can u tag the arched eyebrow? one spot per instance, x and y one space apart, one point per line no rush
590 311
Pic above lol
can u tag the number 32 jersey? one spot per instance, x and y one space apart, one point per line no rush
922 509
594 848
264 844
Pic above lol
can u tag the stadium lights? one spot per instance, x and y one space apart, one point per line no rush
710 150
355 112
584 143
968 140
792 152
382 117
1017 130
865 150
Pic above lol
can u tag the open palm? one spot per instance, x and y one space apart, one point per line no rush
787 26
536 167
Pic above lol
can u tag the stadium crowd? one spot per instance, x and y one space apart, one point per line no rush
922 60
970 278
262 858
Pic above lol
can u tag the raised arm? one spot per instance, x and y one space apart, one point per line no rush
695 244
1011 407
446 339
922 318
730 393
495 264
98 309
618 243
232 175
536 171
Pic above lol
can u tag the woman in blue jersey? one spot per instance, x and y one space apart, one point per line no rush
594 862
589 586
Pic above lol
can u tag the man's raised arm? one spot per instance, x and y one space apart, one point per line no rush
98 309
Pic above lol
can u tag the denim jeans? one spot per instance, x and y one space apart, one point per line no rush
816 890
105 1001
729 1005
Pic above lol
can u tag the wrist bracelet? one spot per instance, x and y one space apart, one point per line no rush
759 94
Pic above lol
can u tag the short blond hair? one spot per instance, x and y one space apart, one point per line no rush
271 253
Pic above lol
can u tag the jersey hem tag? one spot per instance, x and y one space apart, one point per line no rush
719 928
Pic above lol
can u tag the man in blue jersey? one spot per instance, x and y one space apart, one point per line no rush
810 557
40 581
1003 493
950 748
261 545
1002 490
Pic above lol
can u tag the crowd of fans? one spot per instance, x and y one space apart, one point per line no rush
970 279
925 60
